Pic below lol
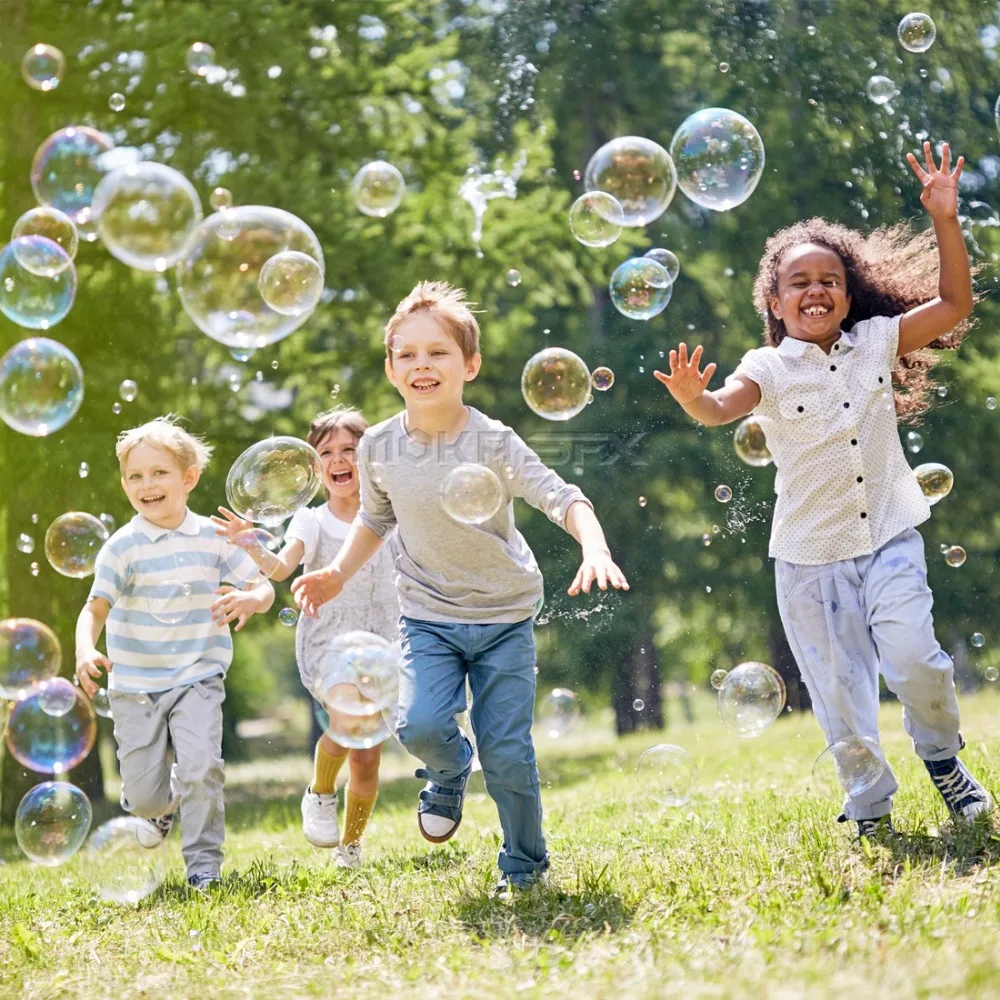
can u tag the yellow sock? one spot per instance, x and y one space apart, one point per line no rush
358 813
325 770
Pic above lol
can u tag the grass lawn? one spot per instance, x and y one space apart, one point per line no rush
749 890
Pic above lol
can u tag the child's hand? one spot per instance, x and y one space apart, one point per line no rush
314 589
597 565
940 194
232 525
685 382
234 605
88 667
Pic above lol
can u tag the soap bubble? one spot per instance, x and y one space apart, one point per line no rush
128 390
170 601
978 640
914 441
52 822
83 472
108 521
991 402
718 678
667 259
101 703
668 773
935 480
719 157
991 673
145 213
116 864
855 764
51 744
916 32
378 188
53 225
25 543
56 696
67 168
640 288
723 493
72 542
750 444
471 494
513 277
221 198
638 705
555 384
29 655
596 219
200 59
37 282
638 173
751 698
559 712
116 102
880 89
955 556
218 277
42 67
272 479
288 616
259 545
291 283
602 379
643 501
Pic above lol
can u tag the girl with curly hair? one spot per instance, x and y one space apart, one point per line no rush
846 317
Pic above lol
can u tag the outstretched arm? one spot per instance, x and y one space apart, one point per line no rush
596 564
687 385
954 301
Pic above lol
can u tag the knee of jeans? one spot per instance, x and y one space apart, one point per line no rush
147 801
204 775
914 660
510 767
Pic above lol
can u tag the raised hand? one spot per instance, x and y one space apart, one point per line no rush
685 381
940 194
230 524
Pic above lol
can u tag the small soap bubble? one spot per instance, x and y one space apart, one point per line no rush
955 556
643 501
128 390
942 391
52 822
53 225
718 678
978 640
378 188
596 219
640 288
991 403
471 494
116 408
723 493
291 283
992 673
555 384
288 616
35 569
272 479
108 521
916 32
880 89
84 470
667 259
513 277
935 481
42 67
102 703
723 67
576 175
706 539
914 441
638 705
668 773
602 378
750 444
169 601
558 712
234 382
34 519
116 102
56 696
72 542
25 543
638 173
275 365
751 698
200 59
221 199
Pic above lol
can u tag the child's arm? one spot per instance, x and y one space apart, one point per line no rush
278 566
933 319
89 660
687 385
239 605
597 564
322 585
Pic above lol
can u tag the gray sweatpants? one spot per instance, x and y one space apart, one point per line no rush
170 750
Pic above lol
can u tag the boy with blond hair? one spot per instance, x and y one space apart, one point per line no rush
467 592
158 585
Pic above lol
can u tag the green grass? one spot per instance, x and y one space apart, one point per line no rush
749 890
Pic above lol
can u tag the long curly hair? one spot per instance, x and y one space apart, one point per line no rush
889 271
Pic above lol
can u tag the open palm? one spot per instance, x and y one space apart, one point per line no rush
940 194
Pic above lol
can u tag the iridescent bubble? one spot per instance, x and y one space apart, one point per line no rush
640 288
218 278
916 32
221 198
513 277
558 712
116 102
638 705
37 297
42 67
108 521
596 219
668 773
272 479
30 654
935 480
602 378
723 493
555 384
116 864
170 601
51 744
718 678
719 157
991 403
667 259
116 408
291 283
259 545
638 173
72 542
955 556
914 441
146 212
855 764
750 444
67 168
751 698
53 225
991 673
57 696
41 386
128 390
52 822
978 640
471 494
880 89
378 188
200 59
288 616
102 703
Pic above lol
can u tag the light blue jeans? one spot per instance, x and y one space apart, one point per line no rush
499 661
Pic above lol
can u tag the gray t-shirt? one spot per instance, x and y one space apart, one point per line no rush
446 570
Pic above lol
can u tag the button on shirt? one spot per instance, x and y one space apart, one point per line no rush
843 483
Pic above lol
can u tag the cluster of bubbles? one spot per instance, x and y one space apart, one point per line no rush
558 712
471 493
272 479
556 384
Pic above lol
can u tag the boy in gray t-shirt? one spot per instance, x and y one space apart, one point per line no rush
467 592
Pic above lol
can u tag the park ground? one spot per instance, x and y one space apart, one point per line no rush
751 889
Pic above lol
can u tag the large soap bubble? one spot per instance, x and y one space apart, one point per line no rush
378 188
218 276
145 214
259 545
559 712
638 173
52 822
916 32
719 157
596 219
361 660
751 698
555 384
272 479
935 480
291 283
42 67
471 493
51 744
640 288
29 655
855 764
67 168
41 386
72 542
37 282
53 225
668 773
750 444
119 868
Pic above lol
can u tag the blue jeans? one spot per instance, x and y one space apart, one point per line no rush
499 661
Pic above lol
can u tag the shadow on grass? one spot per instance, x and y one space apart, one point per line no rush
963 847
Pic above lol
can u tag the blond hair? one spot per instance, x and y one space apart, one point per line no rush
325 423
165 432
448 305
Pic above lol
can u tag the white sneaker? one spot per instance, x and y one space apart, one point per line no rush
347 856
319 819
152 832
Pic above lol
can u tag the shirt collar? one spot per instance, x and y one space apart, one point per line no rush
189 526
793 348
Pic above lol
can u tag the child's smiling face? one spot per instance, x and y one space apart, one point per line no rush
338 455
156 485
811 299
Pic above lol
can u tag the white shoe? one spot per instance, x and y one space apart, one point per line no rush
152 832
319 819
347 856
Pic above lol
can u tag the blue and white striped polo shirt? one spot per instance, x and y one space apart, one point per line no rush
160 584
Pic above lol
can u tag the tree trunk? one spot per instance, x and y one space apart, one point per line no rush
636 696
797 697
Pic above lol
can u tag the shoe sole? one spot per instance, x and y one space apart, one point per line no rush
437 840
321 843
